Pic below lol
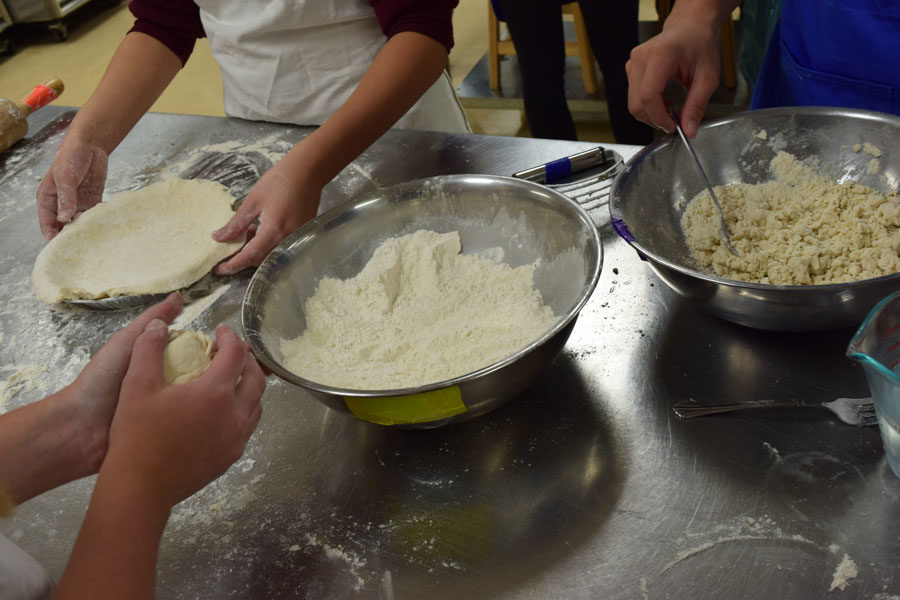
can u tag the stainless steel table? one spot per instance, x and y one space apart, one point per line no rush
587 486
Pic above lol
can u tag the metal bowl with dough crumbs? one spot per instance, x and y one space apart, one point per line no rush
651 194
529 223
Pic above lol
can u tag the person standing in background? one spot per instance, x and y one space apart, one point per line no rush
832 53
536 29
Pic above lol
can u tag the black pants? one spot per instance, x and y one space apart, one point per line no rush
537 33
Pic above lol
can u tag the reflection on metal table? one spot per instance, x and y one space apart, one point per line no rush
586 486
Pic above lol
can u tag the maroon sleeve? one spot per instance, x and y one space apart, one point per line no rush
433 18
175 23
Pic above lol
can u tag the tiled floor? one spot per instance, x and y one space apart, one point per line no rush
96 29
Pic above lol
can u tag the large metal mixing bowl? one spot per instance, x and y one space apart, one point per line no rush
531 223
649 197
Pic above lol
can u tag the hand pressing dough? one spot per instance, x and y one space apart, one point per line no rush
147 241
187 355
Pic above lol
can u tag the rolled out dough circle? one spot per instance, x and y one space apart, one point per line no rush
147 241
187 355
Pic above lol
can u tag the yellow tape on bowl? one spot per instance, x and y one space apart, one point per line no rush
414 408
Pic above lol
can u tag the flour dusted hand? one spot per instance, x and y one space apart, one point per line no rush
73 184
419 312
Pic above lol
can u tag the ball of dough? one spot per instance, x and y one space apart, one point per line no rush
187 355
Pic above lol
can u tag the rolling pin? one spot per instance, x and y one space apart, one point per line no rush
14 115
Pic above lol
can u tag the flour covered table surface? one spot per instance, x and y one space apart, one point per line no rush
142 242
585 486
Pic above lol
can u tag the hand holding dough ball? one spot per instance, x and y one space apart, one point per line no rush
201 426
187 355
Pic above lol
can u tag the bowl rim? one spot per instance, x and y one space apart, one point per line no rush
248 319
646 151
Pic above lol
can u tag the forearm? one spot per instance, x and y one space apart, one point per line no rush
288 194
116 551
708 12
41 447
138 73
405 68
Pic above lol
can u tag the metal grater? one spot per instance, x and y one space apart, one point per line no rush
585 177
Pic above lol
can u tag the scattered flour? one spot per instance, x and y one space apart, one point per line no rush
23 378
352 559
272 147
750 530
197 308
419 312
801 228
844 572
645 594
773 451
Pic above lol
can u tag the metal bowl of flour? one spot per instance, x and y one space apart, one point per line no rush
649 197
530 223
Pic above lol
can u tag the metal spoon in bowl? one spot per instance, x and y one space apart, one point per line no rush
722 230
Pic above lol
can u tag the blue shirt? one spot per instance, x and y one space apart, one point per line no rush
833 53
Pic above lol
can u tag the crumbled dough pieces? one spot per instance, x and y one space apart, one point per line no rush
874 165
187 355
799 229
868 148
871 150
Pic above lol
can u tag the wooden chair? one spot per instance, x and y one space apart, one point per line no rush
726 36
580 48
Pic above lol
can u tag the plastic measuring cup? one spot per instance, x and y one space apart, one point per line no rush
876 345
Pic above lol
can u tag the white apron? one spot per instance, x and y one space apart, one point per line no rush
298 61
21 577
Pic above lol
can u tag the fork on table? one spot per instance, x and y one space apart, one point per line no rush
853 411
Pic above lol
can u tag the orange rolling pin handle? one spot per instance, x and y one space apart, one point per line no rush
42 95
